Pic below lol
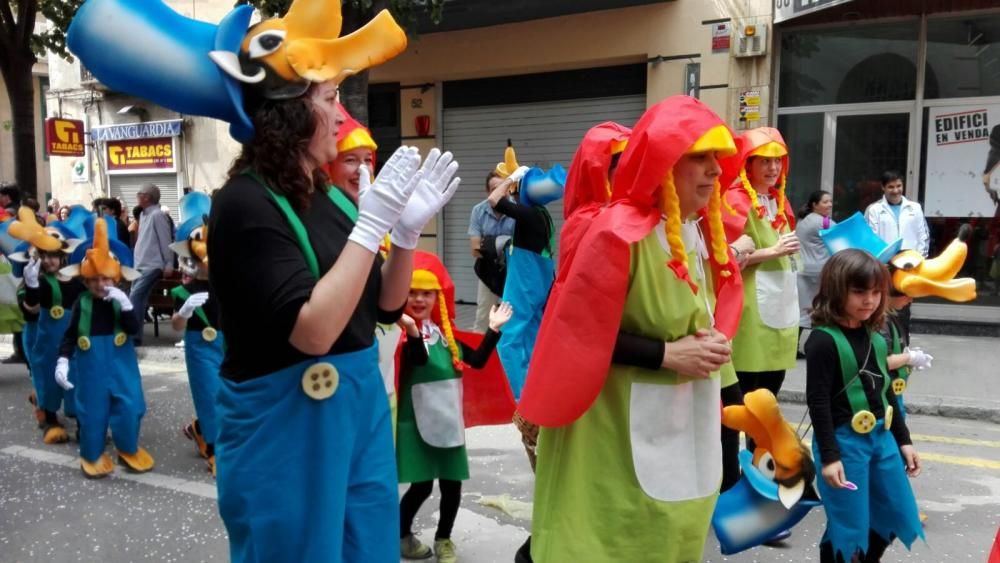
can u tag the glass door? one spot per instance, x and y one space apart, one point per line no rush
864 145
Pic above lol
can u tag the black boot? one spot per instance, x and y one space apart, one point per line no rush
523 554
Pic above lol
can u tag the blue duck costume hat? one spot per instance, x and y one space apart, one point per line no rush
224 70
855 233
539 187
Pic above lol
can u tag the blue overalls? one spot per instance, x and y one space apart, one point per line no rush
884 500
203 353
305 464
529 280
51 326
108 385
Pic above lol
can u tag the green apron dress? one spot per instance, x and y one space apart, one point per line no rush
637 476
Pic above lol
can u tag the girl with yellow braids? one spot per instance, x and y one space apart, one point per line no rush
756 206
632 353
431 426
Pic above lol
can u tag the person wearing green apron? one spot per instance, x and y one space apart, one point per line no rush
105 368
431 427
197 314
859 437
49 295
629 458
755 206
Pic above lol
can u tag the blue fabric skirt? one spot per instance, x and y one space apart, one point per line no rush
529 280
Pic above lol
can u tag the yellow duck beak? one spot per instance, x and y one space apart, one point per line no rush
305 44
759 417
916 276
26 228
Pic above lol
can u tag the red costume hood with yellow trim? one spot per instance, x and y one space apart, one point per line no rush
486 395
578 332
736 197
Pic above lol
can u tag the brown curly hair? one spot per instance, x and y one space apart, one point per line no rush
846 270
282 132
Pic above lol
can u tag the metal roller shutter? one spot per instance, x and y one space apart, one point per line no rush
543 133
126 186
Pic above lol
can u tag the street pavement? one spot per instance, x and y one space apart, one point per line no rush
49 512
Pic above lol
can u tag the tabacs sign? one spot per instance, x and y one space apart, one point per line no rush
155 154
64 137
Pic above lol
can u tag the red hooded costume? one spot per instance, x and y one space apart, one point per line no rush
736 195
581 322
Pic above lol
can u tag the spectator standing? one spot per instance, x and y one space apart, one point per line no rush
112 207
894 217
487 225
153 257
10 198
814 216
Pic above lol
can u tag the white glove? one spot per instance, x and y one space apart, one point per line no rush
919 359
115 294
516 175
31 271
381 204
437 185
62 373
192 303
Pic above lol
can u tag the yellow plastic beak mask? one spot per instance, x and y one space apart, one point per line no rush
280 57
917 276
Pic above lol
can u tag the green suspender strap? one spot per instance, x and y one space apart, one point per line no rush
183 294
852 381
897 348
338 198
86 320
56 311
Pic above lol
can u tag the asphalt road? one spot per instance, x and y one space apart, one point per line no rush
49 512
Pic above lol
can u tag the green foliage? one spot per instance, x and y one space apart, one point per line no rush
59 12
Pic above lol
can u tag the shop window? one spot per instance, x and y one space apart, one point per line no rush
804 132
963 57
858 64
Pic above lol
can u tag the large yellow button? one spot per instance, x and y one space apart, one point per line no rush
120 339
898 386
888 417
57 312
863 422
209 334
320 381
84 343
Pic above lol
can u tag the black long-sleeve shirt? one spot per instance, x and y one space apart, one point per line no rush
415 353
42 295
102 323
532 224
825 395
211 307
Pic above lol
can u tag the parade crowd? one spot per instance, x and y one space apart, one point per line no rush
316 333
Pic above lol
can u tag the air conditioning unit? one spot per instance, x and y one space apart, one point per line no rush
751 40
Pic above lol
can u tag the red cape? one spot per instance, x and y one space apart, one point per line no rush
578 332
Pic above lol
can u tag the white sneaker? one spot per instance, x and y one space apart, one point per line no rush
179 344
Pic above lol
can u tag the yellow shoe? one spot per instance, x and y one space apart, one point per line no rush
211 465
923 518
98 469
191 432
55 434
411 548
139 462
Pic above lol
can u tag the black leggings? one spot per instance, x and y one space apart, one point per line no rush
753 380
451 497
876 549
731 395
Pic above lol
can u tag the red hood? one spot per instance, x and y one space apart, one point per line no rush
734 194
587 180
431 263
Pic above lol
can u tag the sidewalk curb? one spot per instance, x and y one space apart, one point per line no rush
988 411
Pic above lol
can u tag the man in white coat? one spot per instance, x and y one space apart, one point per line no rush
894 217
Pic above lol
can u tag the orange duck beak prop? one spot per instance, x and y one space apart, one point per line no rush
27 228
917 276
99 261
775 491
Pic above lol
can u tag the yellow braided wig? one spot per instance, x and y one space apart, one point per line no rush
671 206
754 202
449 334
720 249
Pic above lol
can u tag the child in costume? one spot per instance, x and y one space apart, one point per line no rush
197 314
431 427
530 267
47 294
621 402
864 450
105 368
